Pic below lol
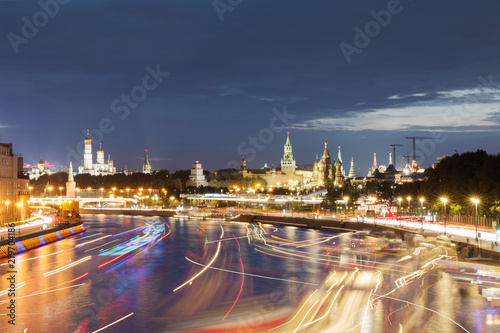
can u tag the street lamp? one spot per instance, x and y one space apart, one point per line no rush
19 205
399 210
475 201
346 199
50 189
101 189
444 201
409 204
128 191
60 190
422 217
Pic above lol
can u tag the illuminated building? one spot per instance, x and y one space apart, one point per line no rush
70 184
197 178
288 165
352 171
102 167
14 191
37 170
146 167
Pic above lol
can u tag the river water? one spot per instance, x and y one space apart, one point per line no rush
137 274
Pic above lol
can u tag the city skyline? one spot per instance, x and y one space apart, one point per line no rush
197 81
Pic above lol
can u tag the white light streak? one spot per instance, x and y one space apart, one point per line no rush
103 328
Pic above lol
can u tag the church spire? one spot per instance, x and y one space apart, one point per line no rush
88 139
146 167
325 152
352 172
374 167
390 158
70 172
339 156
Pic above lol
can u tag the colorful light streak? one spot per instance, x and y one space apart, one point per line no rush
297 313
249 274
45 292
206 267
115 322
73 264
426 308
52 314
242 279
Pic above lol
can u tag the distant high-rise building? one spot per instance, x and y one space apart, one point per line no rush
146 167
14 191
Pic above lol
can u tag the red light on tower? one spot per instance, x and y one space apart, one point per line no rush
287 133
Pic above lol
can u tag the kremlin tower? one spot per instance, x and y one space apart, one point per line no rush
288 162
146 167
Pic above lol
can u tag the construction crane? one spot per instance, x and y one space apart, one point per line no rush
414 138
394 151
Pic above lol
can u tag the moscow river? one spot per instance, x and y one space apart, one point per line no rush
137 274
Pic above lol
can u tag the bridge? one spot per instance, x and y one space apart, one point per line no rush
56 202
263 199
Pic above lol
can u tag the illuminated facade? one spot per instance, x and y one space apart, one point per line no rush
102 167
288 165
14 191
37 170
197 178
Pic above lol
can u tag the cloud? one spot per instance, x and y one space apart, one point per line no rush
406 96
471 117
480 93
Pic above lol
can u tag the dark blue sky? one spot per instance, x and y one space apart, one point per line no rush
427 69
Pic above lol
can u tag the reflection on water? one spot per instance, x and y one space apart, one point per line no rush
148 275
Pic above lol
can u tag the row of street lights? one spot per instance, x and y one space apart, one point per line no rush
444 201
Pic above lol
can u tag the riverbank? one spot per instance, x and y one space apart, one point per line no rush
465 250
124 211
33 240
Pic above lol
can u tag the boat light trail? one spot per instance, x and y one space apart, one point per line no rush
428 309
248 274
73 264
296 312
242 279
117 321
95 240
329 309
45 292
206 267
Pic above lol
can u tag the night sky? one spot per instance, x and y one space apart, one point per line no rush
215 80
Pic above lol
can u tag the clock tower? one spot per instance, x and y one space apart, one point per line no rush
288 162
